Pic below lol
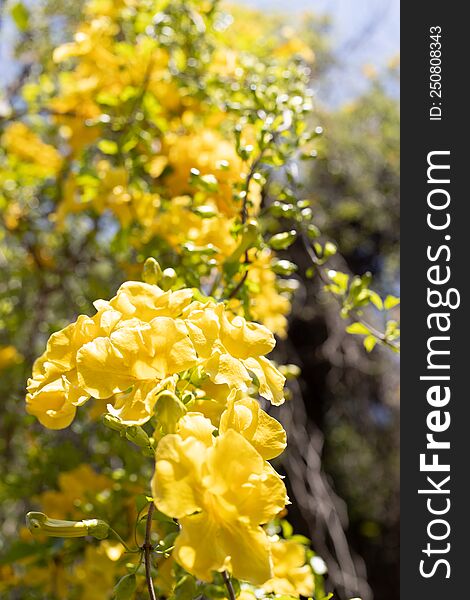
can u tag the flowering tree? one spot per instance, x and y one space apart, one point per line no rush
158 153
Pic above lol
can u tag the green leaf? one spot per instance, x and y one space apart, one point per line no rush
108 147
341 279
141 502
287 529
20 16
125 587
390 302
330 249
284 267
281 241
376 299
205 212
369 343
358 329
185 588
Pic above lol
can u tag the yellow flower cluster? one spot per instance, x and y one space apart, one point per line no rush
205 151
109 191
104 78
106 70
190 365
292 576
221 490
141 343
23 145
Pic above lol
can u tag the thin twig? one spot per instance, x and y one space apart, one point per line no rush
228 585
239 285
255 164
147 552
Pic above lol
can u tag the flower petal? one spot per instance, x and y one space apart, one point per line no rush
243 339
176 484
247 417
205 545
271 380
243 480
51 405
102 369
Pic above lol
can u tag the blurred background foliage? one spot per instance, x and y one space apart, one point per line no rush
342 462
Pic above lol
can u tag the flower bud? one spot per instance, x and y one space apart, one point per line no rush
138 436
152 272
168 411
114 423
283 267
281 241
198 376
168 279
38 522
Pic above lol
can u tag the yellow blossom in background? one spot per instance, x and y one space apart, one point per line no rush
267 305
96 574
9 356
52 580
204 151
291 575
220 494
22 144
76 488
8 578
179 224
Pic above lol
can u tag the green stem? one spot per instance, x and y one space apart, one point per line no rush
228 585
147 553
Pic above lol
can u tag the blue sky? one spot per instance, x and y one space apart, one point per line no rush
363 32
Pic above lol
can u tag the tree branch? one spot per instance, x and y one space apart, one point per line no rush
228 585
147 552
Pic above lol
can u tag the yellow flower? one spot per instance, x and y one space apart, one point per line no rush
232 347
137 345
135 353
76 488
178 224
145 301
8 578
221 494
246 416
204 151
291 575
53 391
195 425
138 355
